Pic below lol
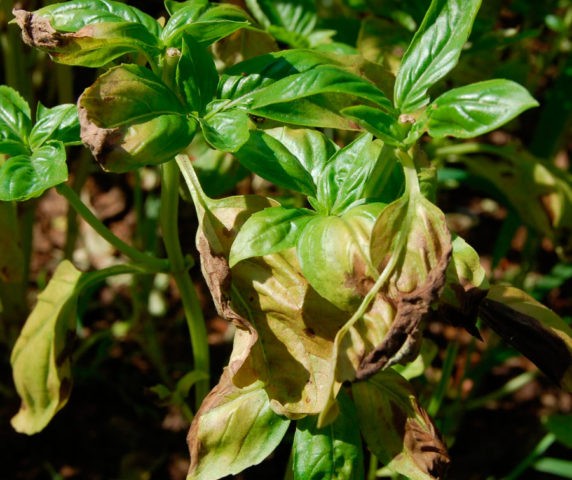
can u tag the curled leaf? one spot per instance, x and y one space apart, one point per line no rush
41 357
533 329
397 429
233 430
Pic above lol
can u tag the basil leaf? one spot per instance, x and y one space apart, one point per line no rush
345 179
267 154
196 75
478 108
434 51
41 356
332 452
28 175
89 33
383 125
294 15
58 123
226 130
206 23
233 430
396 429
15 122
271 230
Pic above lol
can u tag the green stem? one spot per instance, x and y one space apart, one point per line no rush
446 372
145 260
509 387
189 298
373 464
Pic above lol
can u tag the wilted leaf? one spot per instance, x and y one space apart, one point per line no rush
234 429
533 329
333 452
89 33
477 108
397 430
27 176
15 122
41 357
434 51
122 131
465 286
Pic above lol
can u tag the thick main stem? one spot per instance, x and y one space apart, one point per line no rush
189 298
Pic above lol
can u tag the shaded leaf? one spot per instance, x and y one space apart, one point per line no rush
41 357
15 122
294 15
434 51
269 231
397 430
234 429
89 33
59 123
333 452
561 426
27 176
477 108
533 329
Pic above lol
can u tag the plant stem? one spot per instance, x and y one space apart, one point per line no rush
509 387
145 260
448 365
189 298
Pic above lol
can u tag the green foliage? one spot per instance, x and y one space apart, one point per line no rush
331 283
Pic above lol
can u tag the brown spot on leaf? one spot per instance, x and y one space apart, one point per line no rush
101 141
546 203
37 31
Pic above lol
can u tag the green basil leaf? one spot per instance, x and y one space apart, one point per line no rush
41 356
233 430
294 15
173 6
204 22
59 123
383 125
26 176
334 255
434 51
332 452
396 429
269 155
89 33
196 75
269 231
477 109
533 329
226 130
344 181
115 98
15 122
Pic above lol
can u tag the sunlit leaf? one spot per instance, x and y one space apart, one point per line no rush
26 176
397 430
89 33
15 122
533 329
332 452
59 123
434 51
477 108
226 130
41 357
234 429
383 125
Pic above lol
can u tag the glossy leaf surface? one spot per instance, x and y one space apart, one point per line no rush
41 357
234 429
478 108
59 123
269 231
15 122
332 452
226 130
27 176
434 51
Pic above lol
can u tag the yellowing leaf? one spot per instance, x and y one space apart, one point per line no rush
396 429
234 429
41 357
